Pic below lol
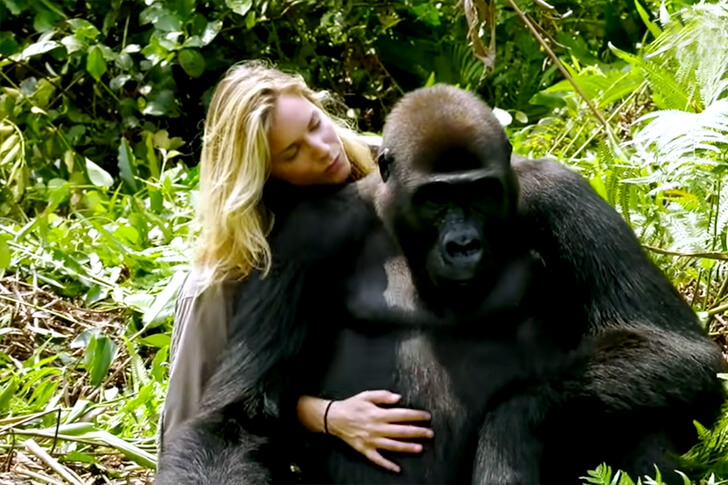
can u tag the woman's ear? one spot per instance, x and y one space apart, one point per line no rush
385 160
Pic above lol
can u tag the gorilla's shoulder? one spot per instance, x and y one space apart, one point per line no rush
323 221
543 179
550 190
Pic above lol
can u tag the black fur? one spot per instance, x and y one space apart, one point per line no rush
575 334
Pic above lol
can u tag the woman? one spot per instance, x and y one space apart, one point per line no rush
265 124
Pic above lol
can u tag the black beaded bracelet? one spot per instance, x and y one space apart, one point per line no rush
326 417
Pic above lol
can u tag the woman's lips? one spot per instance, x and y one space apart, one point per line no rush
335 164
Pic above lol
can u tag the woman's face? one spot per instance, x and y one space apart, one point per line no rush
305 149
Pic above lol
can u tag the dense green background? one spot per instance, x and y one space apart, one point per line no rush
101 111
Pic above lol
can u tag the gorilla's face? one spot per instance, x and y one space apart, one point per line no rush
452 193
461 210
453 224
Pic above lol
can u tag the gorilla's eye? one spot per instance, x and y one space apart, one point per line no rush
385 159
433 197
488 190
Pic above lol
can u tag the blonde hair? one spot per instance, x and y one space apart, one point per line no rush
235 165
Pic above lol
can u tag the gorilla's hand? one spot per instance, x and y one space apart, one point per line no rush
362 423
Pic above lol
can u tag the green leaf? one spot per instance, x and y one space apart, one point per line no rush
45 20
83 29
78 456
163 305
95 294
211 31
159 364
6 395
160 104
250 20
162 18
16 7
430 80
103 438
4 255
157 340
668 92
427 13
192 62
127 166
156 202
72 44
40 47
651 26
95 63
43 393
60 190
154 51
240 7
8 44
97 175
184 8
100 353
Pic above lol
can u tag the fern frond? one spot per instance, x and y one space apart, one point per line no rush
670 93
677 137
698 43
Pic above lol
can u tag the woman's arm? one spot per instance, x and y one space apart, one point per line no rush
199 336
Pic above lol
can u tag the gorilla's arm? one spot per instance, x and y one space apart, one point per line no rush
241 403
312 247
589 250
643 359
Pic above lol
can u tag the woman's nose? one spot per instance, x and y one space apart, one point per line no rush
320 148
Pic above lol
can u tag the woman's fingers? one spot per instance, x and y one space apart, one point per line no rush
377 459
404 415
400 446
380 397
404 431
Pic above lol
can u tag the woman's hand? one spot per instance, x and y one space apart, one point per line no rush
367 427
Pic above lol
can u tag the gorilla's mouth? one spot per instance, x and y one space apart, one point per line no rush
446 275
455 277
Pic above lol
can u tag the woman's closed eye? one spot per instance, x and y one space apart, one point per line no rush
290 154
315 123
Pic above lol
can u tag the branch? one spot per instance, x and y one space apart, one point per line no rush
707 255
558 64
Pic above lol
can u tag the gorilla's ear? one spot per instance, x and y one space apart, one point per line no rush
385 160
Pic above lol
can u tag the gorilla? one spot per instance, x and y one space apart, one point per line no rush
501 294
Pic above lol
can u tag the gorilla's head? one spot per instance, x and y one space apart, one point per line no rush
446 165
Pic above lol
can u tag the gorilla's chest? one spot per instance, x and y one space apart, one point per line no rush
390 340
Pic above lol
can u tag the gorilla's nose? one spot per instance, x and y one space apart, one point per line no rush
463 247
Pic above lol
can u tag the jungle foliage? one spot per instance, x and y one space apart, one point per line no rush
101 111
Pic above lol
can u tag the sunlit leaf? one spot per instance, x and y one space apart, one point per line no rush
97 175
240 7
7 393
211 31
4 252
164 302
158 340
38 48
95 63
159 364
83 29
250 20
